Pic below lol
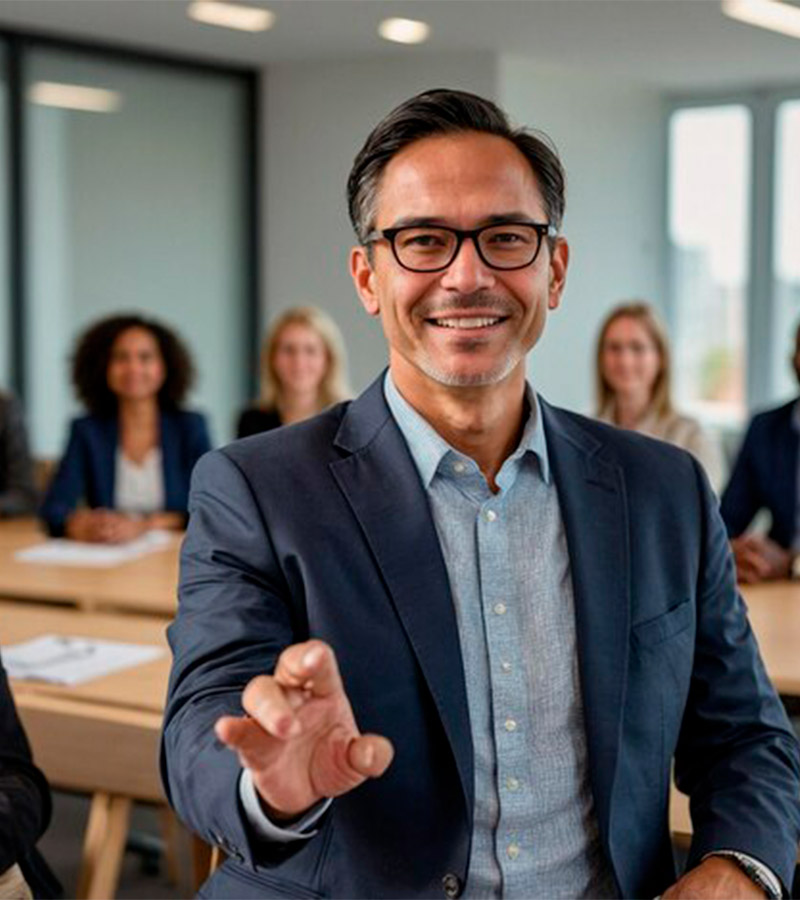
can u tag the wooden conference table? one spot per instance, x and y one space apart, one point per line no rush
144 585
100 737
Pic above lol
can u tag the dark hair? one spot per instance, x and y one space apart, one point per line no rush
444 111
93 354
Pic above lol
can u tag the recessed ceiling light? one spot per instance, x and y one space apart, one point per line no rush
74 96
770 14
404 31
231 15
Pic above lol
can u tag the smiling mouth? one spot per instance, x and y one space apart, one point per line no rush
467 322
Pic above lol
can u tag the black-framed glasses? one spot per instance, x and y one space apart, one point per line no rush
432 248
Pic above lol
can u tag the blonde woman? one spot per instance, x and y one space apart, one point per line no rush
633 385
303 370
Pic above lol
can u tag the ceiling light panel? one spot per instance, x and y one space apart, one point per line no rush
404 31
74 96
231 15
771 14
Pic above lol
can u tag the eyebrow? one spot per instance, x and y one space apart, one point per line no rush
494 219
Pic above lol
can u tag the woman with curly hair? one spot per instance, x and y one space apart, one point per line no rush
129 460
303 367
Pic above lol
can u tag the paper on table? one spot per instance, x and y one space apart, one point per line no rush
64 552
73 660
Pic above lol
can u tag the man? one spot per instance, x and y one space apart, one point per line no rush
766 476
24 810
468 631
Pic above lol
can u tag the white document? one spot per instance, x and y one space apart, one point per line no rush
63 552
73 660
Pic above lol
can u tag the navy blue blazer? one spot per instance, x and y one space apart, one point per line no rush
87 469
324 529
765 476
25 805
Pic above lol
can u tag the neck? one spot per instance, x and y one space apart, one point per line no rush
631 409
141 412
484 423
297 405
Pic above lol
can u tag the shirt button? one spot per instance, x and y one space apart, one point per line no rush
510 725
459 467
491 515
505 666
513 851
500 609
512 783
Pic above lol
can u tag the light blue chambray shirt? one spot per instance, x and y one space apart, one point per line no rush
534 832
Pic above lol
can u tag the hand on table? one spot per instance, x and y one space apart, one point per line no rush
716 878
104 526
759 559
300 740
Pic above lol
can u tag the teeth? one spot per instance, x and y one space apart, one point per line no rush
472 322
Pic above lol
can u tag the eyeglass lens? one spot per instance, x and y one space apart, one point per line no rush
506 246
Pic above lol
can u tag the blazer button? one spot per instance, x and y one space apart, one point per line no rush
452 886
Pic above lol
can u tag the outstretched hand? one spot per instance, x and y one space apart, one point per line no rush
299 738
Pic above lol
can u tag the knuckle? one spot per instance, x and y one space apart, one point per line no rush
257 690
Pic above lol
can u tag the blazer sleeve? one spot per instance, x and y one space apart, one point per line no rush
227 563
17 491
737 757
24 796
741 499
68 485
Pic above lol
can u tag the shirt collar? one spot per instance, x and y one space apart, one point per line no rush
428 447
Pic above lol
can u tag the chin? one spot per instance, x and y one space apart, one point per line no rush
469 376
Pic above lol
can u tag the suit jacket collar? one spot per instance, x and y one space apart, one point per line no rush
383 487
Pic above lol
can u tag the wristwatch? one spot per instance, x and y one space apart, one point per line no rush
759 874
794 567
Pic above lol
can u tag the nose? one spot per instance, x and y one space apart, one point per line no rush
467 273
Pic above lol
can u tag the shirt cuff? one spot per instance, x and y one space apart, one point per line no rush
763 870
264 827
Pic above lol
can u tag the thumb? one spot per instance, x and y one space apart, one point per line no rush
370 755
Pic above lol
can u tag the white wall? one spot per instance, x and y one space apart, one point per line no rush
610 137
316 117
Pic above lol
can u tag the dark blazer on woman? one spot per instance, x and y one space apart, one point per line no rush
17 492
88 467
255 420
24 801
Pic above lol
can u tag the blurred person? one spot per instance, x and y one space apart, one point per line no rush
633 385
25 809
303 371
17 491
131 457
765 476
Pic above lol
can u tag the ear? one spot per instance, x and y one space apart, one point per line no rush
559 260
363 277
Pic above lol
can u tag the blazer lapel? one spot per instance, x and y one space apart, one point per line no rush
382 486
170 461
591 494
107 468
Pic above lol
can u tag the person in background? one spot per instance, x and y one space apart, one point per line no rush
131 457
25 809
303 370
17 491
633 385
765 476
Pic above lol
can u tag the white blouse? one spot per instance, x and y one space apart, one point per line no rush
139 487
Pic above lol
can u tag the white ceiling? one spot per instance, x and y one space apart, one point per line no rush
677 45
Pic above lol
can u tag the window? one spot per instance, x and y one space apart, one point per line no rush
709 236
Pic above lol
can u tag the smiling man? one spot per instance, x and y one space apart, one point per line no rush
446 640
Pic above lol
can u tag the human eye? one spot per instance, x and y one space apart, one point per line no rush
422 239
510 236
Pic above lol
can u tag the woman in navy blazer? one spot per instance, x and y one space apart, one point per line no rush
129 461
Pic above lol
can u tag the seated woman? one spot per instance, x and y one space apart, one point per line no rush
303 370
633 389
17 492
130 459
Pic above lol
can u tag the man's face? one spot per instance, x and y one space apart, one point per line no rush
468 325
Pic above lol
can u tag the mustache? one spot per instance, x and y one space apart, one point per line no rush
484 301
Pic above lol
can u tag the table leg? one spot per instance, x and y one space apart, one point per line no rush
103 847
